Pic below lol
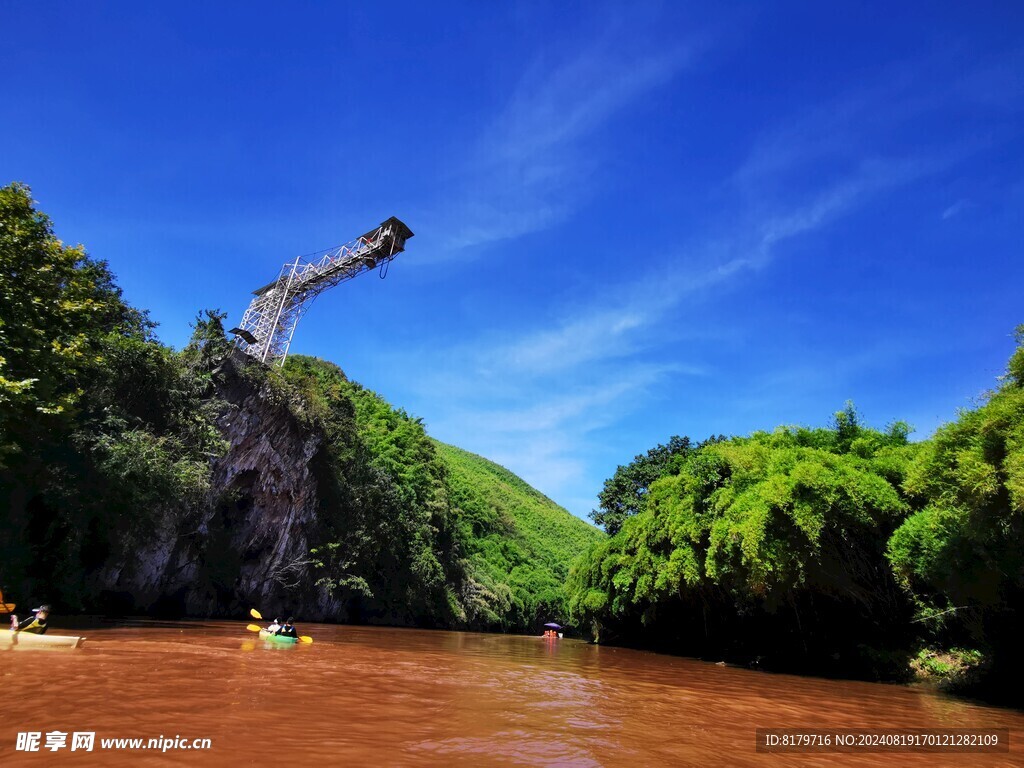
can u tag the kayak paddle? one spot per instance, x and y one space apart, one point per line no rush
255 614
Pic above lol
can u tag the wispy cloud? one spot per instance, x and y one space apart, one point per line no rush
560 408
536 159
956 208
551 110
536 397
598 335
616 328
535 400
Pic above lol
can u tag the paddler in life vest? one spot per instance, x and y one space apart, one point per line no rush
288 630
275 627
35 624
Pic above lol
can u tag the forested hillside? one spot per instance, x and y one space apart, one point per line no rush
843 550
494 550
520 543
137 478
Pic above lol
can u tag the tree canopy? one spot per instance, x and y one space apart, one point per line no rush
961 553
842 550
746 534
104 433
625 493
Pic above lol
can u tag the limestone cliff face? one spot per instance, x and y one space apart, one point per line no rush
250 545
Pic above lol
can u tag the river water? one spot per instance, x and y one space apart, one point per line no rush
374 696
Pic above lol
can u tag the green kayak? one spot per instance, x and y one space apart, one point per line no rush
264 635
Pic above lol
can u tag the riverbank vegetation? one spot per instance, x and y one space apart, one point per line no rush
841 550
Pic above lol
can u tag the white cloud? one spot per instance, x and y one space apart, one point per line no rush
561 408
549 112
956 208
598 335
538 397
534 164
592 367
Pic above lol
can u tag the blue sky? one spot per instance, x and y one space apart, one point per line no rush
628 223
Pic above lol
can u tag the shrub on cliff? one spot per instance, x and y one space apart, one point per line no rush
388 547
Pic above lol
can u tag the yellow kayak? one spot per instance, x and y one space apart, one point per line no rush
10 640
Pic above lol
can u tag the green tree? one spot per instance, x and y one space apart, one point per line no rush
105 435
962 554
56 305
767 546
624 493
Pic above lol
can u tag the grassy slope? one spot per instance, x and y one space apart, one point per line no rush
521 542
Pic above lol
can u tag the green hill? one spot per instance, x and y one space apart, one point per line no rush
520 543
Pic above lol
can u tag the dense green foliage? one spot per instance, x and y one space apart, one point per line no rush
104 434
519 544
57 309
842 550
625 493
961 554
766 546
388 550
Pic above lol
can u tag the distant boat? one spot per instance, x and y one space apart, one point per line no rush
552 629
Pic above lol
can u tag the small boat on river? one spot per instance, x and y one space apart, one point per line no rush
278 636
11 640
271 637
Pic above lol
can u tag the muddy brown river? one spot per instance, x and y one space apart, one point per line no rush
211 693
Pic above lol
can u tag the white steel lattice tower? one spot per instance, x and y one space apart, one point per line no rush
269 323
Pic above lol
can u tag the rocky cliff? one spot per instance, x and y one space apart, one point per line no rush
250 545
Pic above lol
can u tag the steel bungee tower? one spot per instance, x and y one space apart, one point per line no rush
268 325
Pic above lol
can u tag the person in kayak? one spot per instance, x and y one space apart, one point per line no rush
36 624
288 630
275 627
